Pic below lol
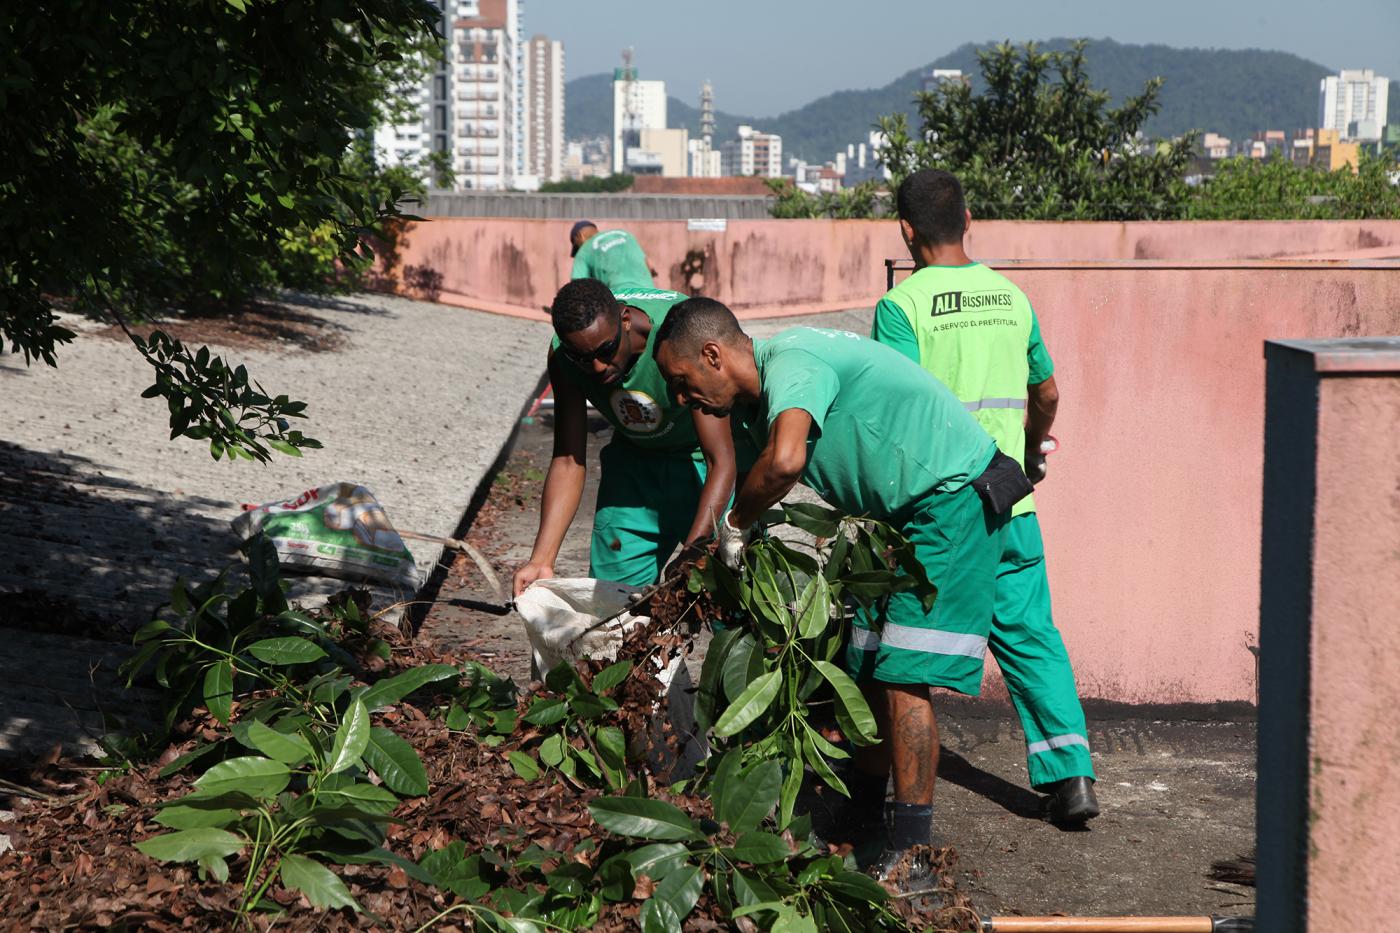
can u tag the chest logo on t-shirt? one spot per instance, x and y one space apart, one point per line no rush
636 411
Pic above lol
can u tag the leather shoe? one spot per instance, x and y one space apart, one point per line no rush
1072 800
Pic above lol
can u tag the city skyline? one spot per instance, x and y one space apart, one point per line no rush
746 64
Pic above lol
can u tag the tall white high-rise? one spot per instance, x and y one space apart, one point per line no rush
486 114
470 107
1354 103
753 153
637 105
544 108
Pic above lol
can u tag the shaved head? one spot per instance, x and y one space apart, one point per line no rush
705 356
695 322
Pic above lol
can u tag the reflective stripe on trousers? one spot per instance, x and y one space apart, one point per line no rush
927 640
995 403
1055 741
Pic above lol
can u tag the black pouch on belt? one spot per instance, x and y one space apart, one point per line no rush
1002 484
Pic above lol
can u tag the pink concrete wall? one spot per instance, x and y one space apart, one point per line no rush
764 268
1152 509
1354 813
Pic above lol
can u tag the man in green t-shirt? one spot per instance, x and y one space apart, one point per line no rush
875 435
667 474
976 331
613 257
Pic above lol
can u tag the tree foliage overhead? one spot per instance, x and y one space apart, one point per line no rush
1041 142
177 153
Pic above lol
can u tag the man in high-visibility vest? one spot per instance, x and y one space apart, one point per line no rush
976 331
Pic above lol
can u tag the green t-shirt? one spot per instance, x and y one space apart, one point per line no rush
614 258
885 434
641 410
974 330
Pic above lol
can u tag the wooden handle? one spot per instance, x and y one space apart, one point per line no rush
1099 925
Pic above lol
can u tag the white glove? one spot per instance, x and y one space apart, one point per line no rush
731 542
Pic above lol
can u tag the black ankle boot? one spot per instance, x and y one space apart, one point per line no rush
1071 801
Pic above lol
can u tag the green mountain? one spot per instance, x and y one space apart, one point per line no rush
1230 91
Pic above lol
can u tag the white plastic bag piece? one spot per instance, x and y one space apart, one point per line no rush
558 617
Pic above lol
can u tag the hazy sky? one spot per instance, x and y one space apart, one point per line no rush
768 56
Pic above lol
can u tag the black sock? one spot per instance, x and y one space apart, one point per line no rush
868 791
910 824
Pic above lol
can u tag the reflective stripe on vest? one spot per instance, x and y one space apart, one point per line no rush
995 403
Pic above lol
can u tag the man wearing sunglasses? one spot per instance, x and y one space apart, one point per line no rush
668 472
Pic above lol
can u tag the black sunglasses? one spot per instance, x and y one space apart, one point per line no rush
605 351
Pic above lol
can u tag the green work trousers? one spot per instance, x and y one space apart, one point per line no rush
959 543
1033 661
646 503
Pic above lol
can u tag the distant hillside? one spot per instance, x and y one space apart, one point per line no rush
1230 91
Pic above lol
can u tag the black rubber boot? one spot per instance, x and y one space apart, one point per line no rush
1071 801
908 825
857 819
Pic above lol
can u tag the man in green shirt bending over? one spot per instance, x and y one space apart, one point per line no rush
976 331
613 257
873 434
667 474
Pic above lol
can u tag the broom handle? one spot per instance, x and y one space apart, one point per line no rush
1097 925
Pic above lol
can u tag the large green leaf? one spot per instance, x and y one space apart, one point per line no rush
743 663
218 690
643 818
749 796
820 765
363 796
291 649
816 520
680 889
288 748
396 763
524 765
759 848
850 702
547 712
657 860
351 738
190 845
814 608
707 695
322 887
251 774
451 868
182 815
610 676
657 916
390 691
749 705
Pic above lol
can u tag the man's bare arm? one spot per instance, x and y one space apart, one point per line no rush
1043 401
717 444
563 484
777 469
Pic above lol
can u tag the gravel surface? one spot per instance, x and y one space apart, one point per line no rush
416 403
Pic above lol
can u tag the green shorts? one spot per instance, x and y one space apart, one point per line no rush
646 504
959 543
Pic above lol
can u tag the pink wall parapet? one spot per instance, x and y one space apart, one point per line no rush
768 268
1152 510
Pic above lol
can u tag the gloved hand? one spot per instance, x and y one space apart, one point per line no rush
731 542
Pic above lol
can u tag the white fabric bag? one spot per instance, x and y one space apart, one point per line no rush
558 615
